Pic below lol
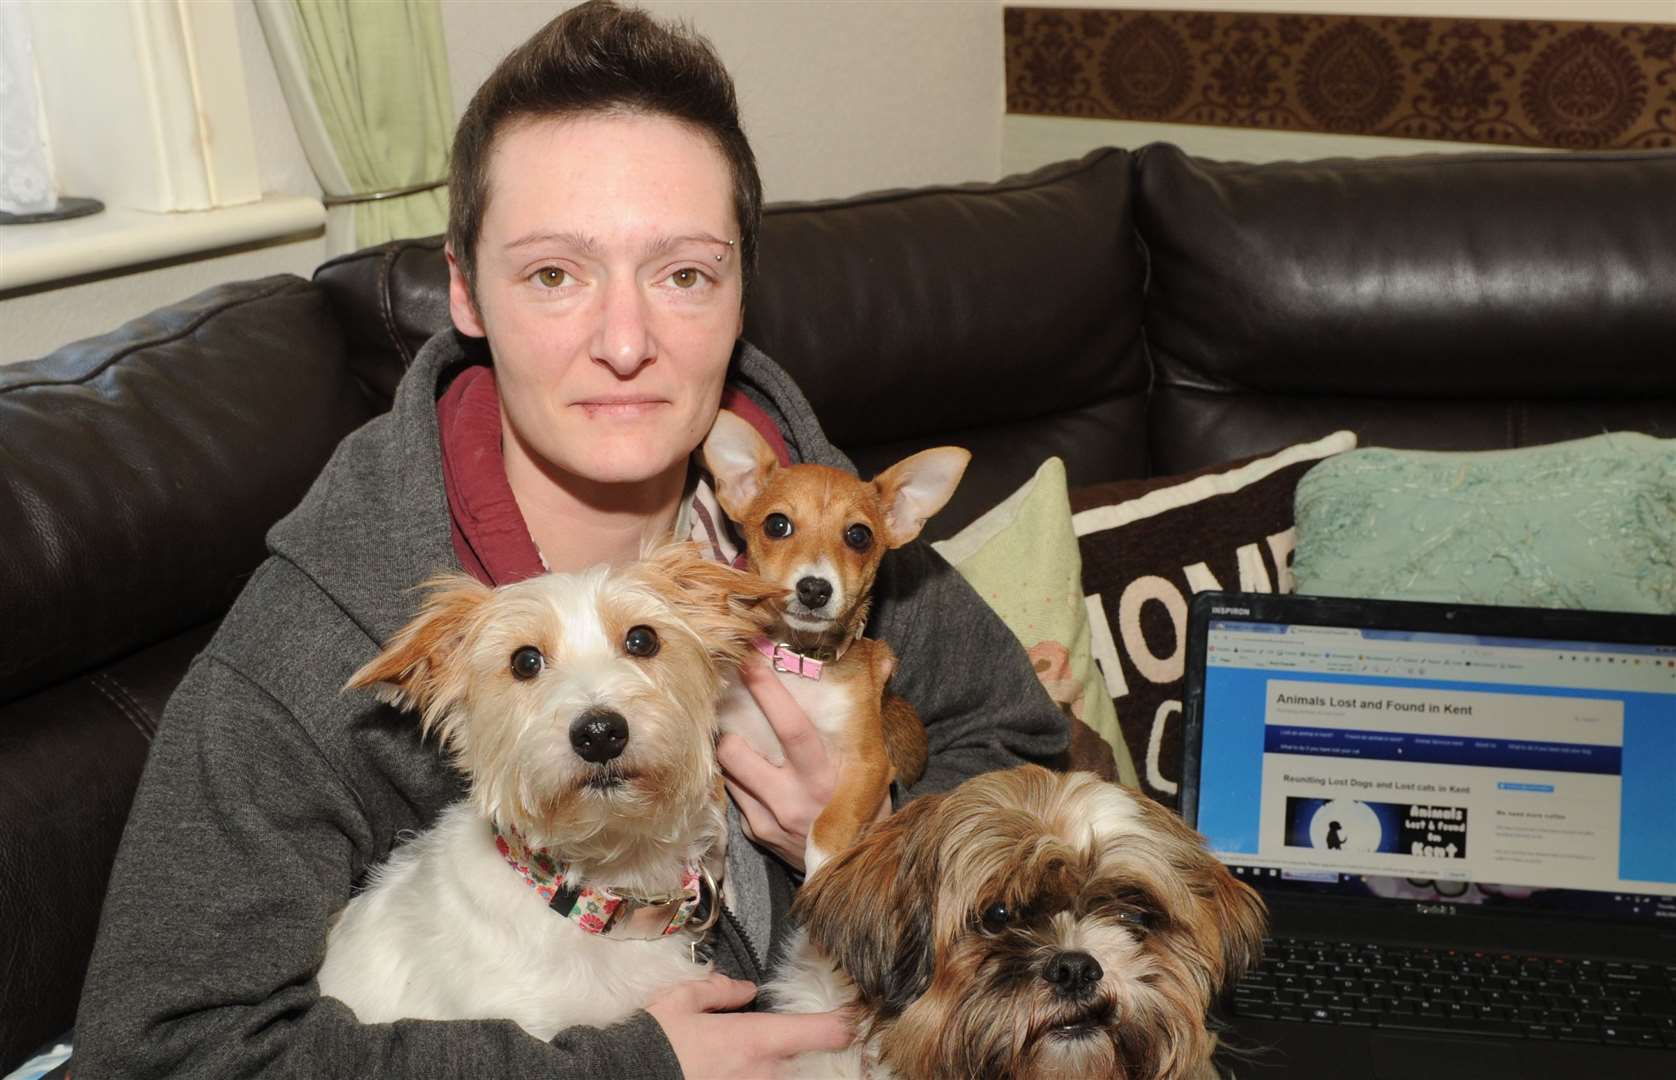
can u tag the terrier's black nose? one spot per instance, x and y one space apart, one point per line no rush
814 592
1073 974
599 735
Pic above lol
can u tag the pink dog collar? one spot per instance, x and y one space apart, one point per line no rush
600 910
789 660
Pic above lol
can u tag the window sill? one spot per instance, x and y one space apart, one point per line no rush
33 255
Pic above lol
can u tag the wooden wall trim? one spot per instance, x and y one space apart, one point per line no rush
1570 85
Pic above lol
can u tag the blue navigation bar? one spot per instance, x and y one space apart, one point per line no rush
1443 749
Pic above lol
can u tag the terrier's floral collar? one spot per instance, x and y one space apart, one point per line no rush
600 910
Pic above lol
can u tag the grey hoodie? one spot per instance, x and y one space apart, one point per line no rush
269 793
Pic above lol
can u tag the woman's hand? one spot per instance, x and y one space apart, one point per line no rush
734 1045
780 802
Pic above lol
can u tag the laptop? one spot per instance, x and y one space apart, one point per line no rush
1463 820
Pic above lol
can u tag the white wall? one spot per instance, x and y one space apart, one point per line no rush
837 98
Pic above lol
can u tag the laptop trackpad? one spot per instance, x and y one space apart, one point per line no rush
1398 1058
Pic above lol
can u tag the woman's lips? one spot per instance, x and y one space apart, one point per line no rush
622 408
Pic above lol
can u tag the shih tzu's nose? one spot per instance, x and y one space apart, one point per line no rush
599 735
1073 974
814 592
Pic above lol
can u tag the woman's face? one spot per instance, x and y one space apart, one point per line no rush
608 291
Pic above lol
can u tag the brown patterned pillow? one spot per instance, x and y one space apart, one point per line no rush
1147 546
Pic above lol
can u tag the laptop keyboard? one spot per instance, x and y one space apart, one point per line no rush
1458 991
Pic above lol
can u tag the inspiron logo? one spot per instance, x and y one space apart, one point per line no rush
1435 909
1215 610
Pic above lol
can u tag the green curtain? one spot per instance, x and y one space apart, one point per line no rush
378 101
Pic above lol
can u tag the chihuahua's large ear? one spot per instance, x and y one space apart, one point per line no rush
869 908
917 487
740 460
412 670
725 607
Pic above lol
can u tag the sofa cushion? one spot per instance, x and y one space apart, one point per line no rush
390 300
142 470
1003 317
1021 557
1147 547
1583 524
70 757
144 467
1472 301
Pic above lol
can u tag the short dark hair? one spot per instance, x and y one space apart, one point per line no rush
598 57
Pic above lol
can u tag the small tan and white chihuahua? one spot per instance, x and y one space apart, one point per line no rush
820 533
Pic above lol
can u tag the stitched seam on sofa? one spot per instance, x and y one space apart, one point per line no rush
187 331
386 306
1097 157
314 744
1426 162
431 242
1145 251
1081 408
118 695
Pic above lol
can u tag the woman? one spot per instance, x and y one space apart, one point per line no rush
603 219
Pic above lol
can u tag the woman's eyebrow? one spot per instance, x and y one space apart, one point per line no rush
587 245
584 244
660 246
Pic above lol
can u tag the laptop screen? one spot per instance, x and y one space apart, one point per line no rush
1402 762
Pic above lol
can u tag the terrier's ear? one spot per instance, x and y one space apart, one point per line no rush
869 908
411 670
917 487
1229 918
724 606
740 460
1240 914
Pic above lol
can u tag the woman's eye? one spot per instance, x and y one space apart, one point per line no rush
777 526
641 641
859 537
995 917
527 662
551 277
686 278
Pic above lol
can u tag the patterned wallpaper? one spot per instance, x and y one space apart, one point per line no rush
1571 85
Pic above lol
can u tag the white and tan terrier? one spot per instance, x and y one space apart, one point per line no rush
570 885
820 533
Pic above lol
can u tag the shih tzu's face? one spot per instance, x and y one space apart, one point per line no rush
582 706
1034 924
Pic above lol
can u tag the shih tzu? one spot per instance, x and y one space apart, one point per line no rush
1027 924
570 885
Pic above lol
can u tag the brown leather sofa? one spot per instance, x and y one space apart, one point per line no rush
1137 314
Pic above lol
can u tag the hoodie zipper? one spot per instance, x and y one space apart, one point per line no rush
740 943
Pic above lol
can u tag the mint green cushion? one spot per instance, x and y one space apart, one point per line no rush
1584 524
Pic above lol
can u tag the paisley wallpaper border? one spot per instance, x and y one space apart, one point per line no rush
1568 85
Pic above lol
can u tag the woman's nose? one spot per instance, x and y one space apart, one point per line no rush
623 340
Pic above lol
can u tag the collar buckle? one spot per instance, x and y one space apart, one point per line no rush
788 660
